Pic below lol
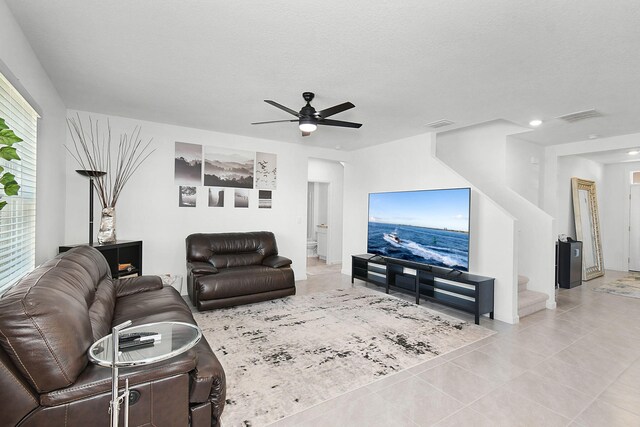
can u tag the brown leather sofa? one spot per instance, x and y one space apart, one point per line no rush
227 269
49 320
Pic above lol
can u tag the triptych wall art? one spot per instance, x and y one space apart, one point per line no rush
218 169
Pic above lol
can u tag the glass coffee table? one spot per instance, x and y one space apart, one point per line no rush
157 341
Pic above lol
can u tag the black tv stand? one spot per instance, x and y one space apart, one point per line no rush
462 291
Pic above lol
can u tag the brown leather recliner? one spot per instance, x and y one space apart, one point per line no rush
227 269
49 320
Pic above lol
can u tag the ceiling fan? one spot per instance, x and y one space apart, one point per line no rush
308 118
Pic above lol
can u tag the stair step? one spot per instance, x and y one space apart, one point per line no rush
522 283
530 302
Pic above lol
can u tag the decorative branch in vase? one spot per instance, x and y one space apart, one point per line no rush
92 150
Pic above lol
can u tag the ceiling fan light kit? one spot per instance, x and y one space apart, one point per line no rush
307 124
309 119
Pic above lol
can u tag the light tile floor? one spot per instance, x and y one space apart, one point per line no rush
577 365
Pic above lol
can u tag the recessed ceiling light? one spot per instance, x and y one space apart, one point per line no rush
535 123
594 136
633 152
338 147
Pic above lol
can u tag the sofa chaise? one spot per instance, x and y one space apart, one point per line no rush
52 316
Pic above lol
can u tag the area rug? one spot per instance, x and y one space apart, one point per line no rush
628 286
283 356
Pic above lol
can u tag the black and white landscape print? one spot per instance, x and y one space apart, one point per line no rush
264 199
188 164
187 196
228 168
216 197
266 171
241 199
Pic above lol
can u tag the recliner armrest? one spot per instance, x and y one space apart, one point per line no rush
96 379
201 268
134 285
276 261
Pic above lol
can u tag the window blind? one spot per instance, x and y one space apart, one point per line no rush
18 218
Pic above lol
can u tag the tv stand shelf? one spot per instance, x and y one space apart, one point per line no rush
456 289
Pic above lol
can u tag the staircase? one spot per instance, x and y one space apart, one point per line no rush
529 302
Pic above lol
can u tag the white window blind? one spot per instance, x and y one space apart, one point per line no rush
18 218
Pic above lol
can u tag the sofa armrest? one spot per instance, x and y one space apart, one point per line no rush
95 379
201 268
276 261
208 380
134 285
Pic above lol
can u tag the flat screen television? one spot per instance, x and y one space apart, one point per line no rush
425 226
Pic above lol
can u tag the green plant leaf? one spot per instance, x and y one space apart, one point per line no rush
9 153
3 125
7 178
1 169
7 137
2 204
11 189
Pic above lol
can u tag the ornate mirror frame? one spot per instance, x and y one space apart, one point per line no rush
585 212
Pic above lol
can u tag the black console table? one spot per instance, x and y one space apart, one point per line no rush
459 290
121 252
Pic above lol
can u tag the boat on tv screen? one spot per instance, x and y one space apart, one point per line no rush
430 226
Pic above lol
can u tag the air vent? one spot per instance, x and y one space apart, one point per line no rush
580 115
439 123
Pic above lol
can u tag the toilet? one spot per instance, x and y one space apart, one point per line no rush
312 248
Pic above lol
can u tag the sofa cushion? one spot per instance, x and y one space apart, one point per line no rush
225 250
101 311
45 326
162 305
137 284
16 395
253 279
236 260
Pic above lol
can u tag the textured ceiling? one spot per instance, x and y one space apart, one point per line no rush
209 64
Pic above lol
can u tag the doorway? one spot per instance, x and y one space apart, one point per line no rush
324 216
634 228
317 222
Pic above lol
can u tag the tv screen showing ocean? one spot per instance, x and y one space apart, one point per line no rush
442 248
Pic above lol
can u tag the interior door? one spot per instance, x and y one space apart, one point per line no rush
634 228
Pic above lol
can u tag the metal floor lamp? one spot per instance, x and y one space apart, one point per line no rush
91 174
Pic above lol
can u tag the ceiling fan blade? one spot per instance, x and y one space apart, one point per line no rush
282 107
335 109
329 122
306 133
274 121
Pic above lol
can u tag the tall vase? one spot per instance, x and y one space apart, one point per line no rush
107 233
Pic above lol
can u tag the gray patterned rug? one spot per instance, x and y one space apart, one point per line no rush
628 286
286 355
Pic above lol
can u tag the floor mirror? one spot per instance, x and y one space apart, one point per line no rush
585 212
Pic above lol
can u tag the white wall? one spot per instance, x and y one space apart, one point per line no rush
331 172
479 152
524 163
554 152
483 154
20 65
569 167
148 207
492 232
